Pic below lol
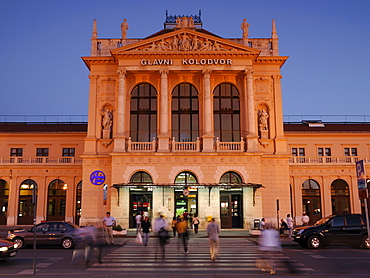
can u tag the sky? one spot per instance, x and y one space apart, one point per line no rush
42 42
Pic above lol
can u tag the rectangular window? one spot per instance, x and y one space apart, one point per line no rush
68 152
42 152
350 151
16 152
298 152
324 151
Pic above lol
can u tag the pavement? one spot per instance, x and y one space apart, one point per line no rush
131 233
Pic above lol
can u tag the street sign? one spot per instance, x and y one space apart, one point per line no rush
361 180
97 178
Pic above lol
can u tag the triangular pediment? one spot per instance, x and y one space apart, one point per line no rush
185 41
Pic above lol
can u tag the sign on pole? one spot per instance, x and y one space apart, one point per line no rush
361 180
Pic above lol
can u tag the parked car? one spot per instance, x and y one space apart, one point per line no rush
334 229
7 249
51 233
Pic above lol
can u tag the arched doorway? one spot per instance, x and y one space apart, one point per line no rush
186 195
231 201
57 200
78 203
340 197
141 196
311 200
25 208
4 197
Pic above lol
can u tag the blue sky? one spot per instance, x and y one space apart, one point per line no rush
42 41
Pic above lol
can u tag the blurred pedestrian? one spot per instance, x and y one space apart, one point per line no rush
160 227
262 224
290 223
146 227
213 230
305 219
283 227
138 222
109 221
196 223
85 244
182 230
173 225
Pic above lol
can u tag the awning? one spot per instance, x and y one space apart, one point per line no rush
197 185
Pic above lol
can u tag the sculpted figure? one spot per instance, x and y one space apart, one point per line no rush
245 27
263 116
124 27
107 119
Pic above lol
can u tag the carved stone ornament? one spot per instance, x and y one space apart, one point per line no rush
185 42
106 142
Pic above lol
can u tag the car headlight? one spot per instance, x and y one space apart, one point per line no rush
16 245
3 249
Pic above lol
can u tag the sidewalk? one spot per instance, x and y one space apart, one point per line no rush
131 233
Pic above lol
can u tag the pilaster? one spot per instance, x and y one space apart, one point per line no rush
119 138
208 136
251 138
163 137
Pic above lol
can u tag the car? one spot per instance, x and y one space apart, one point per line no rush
347 229
8 249
52 233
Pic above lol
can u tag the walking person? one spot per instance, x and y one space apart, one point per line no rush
173 225
109 221
182 230
146 227
262 224
283 227
305 219
160 227
138 222
196 223
289 222
213 230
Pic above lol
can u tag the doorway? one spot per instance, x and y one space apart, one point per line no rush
140 202
231 207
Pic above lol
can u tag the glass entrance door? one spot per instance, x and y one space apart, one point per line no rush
140 202
231 210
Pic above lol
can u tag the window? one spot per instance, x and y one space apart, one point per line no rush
185 113
337 222
16 152
340 197
350 151
324 151
143 113
298 152
230 177
141 177
42 152
68 152
226 113
354 221
186 178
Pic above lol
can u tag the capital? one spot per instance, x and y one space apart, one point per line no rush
164 73
122 73
206 73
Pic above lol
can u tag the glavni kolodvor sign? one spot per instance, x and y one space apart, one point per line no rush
159 62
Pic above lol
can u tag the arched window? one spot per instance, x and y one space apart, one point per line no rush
25 209
143 113
57 200
311 200
141 177
185 113
226 113
4 198
186 178
340 197
78 203
230 178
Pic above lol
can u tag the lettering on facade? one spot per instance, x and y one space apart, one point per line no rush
159 62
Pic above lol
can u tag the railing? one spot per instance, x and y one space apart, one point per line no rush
40 160
141 146
229 146
185 146
326 160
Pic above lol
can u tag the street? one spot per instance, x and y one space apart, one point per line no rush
237 259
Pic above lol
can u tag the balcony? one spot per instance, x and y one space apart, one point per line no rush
185 146
230 146
141 146
40 160
327 160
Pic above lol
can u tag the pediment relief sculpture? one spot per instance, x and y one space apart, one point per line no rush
186 42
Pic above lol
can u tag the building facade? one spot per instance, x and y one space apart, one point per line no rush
182 121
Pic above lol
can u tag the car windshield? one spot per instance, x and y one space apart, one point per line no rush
322 220
73 225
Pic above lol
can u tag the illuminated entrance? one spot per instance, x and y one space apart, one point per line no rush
186 195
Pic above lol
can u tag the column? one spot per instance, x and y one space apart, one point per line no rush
280 140
91 138
119 138
208 136
252 143
163 137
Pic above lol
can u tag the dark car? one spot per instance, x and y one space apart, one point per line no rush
8 249
334 229
51 233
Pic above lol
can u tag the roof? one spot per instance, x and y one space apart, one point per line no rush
328 127
22 127
166 31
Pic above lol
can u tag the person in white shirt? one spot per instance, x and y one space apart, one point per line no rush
109 221
289 222
138 222
213 230
305 219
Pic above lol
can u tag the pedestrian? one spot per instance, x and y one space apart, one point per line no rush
196 223
283 226
213 230
289 222
100 242
173 225
262 224
160 227
85 244
269 244
146 227
305 219
109 221
182 231
138 222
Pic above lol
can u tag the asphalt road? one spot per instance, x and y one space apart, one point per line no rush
237 259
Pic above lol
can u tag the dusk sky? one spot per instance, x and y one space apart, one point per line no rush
42 42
